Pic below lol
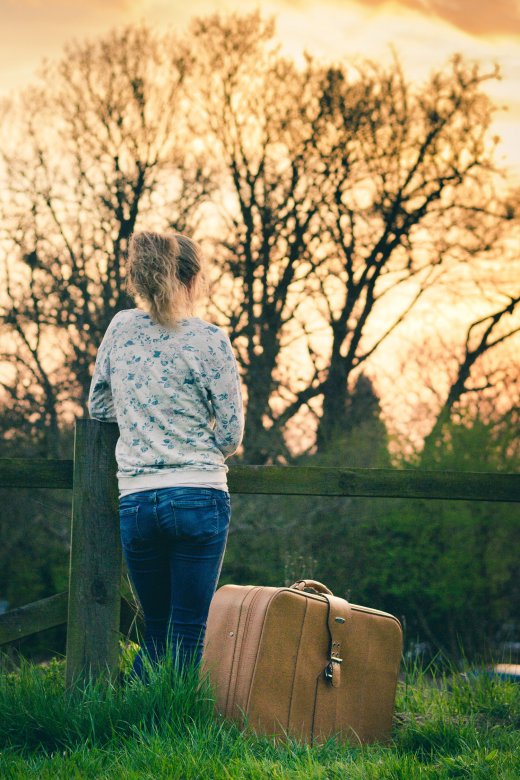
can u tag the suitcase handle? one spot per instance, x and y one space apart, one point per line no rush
311 586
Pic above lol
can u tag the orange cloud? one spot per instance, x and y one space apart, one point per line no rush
53 5
477 17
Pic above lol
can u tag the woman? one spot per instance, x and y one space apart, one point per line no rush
171 383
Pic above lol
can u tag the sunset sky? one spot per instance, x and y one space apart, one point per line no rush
425 32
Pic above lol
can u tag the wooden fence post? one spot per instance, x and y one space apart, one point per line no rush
95 555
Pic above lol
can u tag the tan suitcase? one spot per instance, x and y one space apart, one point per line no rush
302 662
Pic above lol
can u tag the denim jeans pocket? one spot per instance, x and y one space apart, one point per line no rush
195 518
129 527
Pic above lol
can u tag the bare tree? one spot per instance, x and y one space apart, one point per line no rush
98 145
258 114
333 191
408 193
343 189
482 336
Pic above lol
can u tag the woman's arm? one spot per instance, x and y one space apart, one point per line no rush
225 395
100 401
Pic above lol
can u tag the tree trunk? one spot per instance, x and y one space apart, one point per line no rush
335 402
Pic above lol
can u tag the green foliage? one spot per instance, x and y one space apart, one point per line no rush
359 438
34 556
452 726
448 570
470 443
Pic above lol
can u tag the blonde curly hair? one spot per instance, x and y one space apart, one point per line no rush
167 272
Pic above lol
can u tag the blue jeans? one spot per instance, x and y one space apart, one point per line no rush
174 541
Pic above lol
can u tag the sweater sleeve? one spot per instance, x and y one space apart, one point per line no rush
100 401
226 395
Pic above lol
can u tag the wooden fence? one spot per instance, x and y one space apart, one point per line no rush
93 608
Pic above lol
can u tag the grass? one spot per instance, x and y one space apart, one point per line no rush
449 726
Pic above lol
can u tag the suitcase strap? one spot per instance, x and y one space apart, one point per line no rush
338 625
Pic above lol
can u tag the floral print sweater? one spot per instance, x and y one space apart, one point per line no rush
174 393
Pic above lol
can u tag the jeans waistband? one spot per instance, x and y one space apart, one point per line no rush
155 493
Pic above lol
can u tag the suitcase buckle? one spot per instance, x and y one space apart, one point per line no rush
329 669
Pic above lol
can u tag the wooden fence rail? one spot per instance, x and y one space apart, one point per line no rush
52 612
304 481
92 606
32 618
